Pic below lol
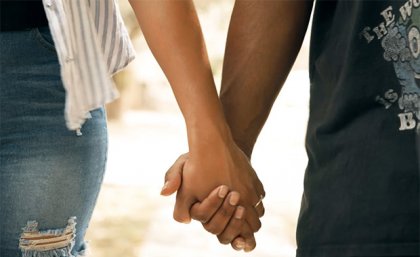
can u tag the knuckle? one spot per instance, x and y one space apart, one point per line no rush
263 212
212 229
236 225
247 233
224 240
256 226
214 202
199 217
224 212
262 189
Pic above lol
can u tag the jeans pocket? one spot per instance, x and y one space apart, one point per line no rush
43 36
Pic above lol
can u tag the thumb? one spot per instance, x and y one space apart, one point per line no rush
183 204
173 177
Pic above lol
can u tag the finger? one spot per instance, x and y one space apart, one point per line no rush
223 215
260 189
260 210
233 229
204 211
252 216
238 244
246 240
182 207
253 219
259 207
173 177
250 243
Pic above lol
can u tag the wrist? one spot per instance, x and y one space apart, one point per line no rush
246 146
208 134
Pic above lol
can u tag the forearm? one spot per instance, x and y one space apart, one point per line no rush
173 32
263 41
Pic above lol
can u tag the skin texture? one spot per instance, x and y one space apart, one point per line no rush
173 33
263 41
255 68
218 212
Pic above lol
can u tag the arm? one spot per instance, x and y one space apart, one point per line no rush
263 41
173 33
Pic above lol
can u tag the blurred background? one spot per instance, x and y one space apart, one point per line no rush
147 134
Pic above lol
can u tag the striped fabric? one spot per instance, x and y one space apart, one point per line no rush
92 44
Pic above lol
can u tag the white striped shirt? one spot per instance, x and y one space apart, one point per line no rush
92 43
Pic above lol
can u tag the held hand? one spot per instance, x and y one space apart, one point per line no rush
226 220
218 212
226 166
173 177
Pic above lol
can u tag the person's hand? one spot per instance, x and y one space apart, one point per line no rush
218 213
225 219
227 165
222 224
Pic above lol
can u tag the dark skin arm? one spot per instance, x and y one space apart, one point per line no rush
263 41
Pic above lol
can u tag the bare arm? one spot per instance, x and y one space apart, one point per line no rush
263 41
173 33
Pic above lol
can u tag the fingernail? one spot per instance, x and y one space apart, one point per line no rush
239 213
234 199
183 220
223 191
164 186
248 248
186 221
240 245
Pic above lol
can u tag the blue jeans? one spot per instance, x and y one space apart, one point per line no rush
49 177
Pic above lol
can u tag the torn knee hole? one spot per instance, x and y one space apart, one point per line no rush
34 240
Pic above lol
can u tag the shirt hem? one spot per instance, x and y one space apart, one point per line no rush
374 250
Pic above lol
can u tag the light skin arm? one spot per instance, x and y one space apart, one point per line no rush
173 33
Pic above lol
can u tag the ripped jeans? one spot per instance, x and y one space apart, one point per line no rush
49 177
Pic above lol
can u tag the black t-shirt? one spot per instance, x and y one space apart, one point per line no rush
20 15
361 195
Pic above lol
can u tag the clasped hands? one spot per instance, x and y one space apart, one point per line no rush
221 190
